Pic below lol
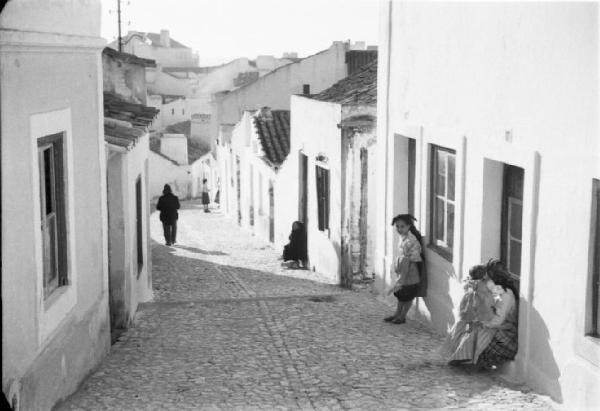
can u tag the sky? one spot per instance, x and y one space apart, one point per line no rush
221 30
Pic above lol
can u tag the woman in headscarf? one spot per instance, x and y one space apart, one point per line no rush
295 251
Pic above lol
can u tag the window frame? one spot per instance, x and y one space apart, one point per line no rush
56 144
139 224
323 188
441 247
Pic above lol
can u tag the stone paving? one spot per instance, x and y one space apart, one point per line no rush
229 329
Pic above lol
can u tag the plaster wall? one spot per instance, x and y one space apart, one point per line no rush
52 82
274 89
475 78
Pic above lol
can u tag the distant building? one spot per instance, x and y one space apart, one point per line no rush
329 177
55 305
159 47
309 75
489 134
180 161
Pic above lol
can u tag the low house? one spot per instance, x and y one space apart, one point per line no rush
260 143
178 160
127 143
309 75
495 148
55 308
159 47
330 176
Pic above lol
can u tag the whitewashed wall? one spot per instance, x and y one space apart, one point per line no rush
313 131
466 76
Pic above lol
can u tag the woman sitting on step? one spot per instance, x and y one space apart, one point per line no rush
294 253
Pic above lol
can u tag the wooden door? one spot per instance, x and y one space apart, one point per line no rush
271 213
303 188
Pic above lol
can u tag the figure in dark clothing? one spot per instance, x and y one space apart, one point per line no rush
295 251
168 204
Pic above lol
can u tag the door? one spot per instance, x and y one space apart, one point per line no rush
251 207
303 188
271 213
512 218
239 189
362 220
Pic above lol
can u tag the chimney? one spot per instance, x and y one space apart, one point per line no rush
359 45
165 38
175 146
291 55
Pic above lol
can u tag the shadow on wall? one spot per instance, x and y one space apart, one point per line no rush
437 307
541 357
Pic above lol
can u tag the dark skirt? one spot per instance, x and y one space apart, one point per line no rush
407 292
205 198
502 348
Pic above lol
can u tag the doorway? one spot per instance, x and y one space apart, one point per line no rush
303 187
238 189
271 212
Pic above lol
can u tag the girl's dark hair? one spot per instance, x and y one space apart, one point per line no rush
166 189
205 180
409 220
477 272
496 271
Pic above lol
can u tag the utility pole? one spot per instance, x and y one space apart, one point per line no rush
120 40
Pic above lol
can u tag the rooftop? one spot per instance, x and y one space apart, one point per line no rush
125 122
273 129
154 39
195 150
128 58
358 88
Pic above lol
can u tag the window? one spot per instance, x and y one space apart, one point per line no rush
139 224
182 111
443 168
306 89
172 111
323 197
512 218
593 327
53 212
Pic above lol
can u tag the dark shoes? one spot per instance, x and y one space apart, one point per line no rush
398 321
389 319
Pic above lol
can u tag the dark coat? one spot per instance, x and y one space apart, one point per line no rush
168 204
295 250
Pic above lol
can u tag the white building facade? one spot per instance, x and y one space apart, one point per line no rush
489 131
55 312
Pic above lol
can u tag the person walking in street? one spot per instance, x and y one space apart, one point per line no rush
168 204
205 195
408 266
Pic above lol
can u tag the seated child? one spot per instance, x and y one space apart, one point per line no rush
476 306
478 301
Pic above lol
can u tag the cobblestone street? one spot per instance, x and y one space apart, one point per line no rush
230 329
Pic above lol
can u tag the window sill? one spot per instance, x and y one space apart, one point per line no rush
55 308
588 347
442 252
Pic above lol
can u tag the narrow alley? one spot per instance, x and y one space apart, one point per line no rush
229 329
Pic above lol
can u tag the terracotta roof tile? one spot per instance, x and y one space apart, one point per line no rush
138 116
273 129
358 88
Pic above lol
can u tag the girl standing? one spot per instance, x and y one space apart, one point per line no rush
408 266
205 195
